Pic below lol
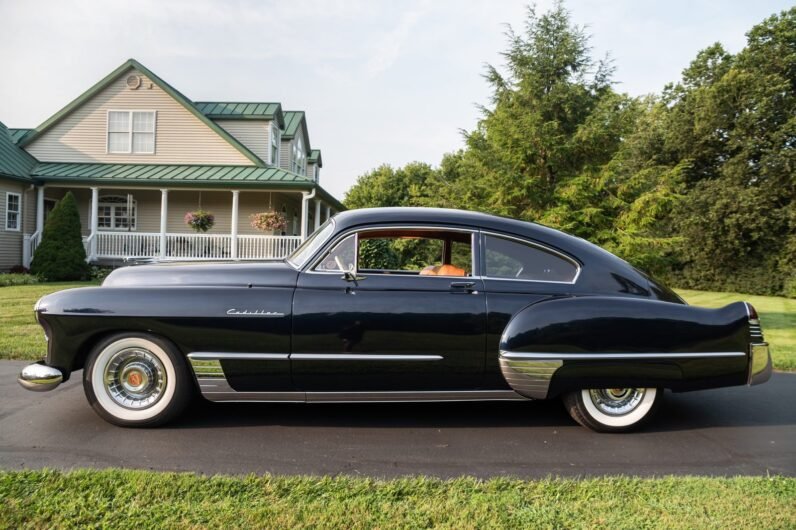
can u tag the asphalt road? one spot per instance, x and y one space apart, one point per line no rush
748 431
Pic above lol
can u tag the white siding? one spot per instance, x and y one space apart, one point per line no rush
180 138
254 134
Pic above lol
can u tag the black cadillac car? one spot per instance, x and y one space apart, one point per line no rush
397 304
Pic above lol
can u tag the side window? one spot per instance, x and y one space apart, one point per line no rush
508 258
341 257
415 252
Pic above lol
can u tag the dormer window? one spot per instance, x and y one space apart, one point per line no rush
131 132
274 145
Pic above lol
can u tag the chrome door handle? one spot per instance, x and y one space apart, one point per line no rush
463 286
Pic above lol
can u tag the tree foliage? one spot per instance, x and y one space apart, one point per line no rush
696 184
60 256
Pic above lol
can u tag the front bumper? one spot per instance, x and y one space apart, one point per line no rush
39 377
759 363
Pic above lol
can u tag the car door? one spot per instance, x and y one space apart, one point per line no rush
383 329
517 273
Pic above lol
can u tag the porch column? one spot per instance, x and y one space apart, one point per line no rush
304 220
317 214
93 223
164 221
234 231
328 212
39 210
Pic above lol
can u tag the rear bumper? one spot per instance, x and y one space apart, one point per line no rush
39 377
759 363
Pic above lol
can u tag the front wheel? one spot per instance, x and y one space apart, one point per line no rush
613 409
137 380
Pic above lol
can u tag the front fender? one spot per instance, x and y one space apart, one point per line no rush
600 342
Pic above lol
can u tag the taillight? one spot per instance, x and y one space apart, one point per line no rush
752 312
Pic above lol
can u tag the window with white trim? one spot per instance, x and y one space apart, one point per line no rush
298 163
13 211
131 132
274 144
112 213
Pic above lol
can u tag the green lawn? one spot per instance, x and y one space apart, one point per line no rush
142 499
777 316
22 338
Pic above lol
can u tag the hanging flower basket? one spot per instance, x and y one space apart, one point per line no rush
200 220
265 221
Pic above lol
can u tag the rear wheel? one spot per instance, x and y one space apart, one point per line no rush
137 380
613 409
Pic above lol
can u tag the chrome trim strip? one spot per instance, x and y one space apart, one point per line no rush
361 357
202 355
397 396
603 356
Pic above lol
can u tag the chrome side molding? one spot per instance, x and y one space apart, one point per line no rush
214 386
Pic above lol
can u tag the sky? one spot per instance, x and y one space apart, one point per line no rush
381 81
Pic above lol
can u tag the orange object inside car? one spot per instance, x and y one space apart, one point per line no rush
442 270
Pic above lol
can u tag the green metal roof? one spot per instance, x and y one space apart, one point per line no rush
15 163
177 176
315 157
18 134
226 110
170 90
293 119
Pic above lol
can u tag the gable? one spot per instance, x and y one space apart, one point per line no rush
181 137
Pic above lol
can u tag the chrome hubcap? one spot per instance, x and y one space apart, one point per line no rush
616 401
135 378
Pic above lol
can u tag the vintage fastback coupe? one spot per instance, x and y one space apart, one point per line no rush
397 304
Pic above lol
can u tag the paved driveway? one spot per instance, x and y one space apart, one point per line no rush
750 431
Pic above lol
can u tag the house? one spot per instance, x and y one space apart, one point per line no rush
138 155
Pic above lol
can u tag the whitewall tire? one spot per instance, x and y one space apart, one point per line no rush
613 409
137 380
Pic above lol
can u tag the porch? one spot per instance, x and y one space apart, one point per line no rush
124 224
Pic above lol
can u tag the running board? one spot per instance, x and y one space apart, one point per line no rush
214 386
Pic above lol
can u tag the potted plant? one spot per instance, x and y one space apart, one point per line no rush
200 220
268 221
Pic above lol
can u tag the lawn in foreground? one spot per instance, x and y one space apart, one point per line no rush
22 338
142 499
777 316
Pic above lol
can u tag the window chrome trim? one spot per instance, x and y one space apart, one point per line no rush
545 248
472 231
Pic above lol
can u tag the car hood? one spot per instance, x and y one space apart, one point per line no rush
261 274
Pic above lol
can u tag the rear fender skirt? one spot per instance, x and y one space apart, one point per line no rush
597 342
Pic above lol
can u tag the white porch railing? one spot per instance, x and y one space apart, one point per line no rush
121 245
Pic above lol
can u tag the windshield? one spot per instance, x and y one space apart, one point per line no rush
305 251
